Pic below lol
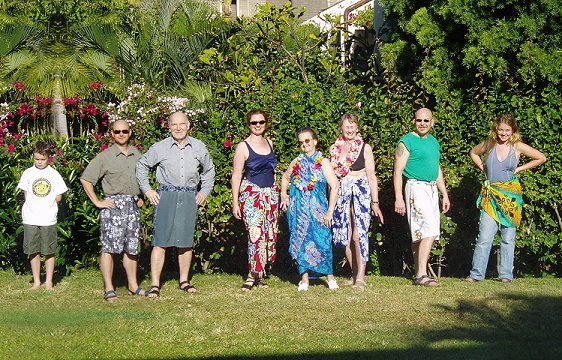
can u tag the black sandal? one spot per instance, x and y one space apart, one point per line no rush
138 292
249 283
260 283
110 295
188 287
154 291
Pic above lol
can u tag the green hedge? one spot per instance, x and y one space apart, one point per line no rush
385 112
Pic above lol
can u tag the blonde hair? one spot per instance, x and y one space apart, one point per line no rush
510 121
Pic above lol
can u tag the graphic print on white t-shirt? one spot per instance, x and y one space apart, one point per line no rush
41 187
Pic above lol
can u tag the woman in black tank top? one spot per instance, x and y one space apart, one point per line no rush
255 197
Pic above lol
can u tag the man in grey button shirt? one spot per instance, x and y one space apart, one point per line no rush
182 165
120 216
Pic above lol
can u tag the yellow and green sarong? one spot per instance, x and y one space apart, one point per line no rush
503 201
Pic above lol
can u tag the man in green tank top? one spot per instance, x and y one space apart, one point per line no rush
417 159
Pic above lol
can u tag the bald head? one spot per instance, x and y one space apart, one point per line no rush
424 113
423 121
120 124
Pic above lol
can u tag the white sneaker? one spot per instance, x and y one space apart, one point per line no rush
333 285
302 286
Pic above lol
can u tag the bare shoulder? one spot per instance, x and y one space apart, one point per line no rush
242 149
368 149
401 149
326 162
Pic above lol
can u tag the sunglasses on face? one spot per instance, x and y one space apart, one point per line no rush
305 141
261 122
423 120
117 132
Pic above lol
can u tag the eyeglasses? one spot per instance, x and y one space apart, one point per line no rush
423 120
261 122
305 141
117 132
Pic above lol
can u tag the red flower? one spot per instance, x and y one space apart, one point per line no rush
19 85
96 85
91 109
68 102
25 109
16 136
310 187
227 143
296 168
11 148
51 159
103 147
43 102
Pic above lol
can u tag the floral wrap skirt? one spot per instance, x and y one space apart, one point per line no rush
260 209
356 193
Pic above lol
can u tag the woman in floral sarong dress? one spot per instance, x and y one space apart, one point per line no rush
308 210
500 199
353 163
255 197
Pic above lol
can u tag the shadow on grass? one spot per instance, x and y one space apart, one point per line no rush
506 326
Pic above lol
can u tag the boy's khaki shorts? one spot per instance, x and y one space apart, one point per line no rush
39 239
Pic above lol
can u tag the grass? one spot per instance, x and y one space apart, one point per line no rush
390 320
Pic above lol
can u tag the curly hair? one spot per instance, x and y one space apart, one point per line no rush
510 121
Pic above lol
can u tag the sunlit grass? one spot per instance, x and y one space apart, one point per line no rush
391 319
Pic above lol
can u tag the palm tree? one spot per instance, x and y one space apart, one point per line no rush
158 47
42 56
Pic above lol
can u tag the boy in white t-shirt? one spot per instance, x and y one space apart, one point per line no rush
43 188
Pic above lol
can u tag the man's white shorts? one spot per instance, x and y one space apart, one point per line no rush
422 209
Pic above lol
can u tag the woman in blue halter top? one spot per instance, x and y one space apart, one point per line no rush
255 197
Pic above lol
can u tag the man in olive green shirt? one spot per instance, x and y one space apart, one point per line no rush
120 215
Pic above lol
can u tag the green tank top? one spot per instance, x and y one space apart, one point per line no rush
423 163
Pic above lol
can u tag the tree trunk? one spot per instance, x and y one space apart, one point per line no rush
58 116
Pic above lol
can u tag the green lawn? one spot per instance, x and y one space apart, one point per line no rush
390 320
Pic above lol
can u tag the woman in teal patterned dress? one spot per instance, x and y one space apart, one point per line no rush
308 210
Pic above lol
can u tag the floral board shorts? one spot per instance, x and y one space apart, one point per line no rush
120 227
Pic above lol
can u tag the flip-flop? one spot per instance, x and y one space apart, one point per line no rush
110 295
428 283
188 287
138 292
359 285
